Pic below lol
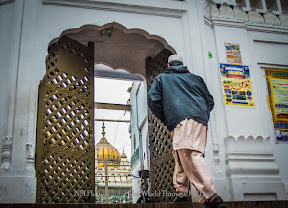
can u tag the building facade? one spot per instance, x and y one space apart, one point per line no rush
118 170
246 149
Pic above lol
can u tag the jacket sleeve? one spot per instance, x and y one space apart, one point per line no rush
210 97
155 99
211 100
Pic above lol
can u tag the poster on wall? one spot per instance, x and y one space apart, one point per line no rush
236 85
233 55
278 95
279 88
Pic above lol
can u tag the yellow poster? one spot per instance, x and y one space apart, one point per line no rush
279 88
236 85
278 97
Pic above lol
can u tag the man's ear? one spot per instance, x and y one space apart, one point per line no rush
168 65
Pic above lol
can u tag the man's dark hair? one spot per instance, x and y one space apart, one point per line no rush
175 63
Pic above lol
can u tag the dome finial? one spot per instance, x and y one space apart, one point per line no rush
123 155
103 132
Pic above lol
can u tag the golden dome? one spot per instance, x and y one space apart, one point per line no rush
106 152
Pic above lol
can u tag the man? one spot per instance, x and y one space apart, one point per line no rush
181 100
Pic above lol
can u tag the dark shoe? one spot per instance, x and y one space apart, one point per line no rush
181 199
216 203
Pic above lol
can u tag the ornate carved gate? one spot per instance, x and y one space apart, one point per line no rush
160 143
65 163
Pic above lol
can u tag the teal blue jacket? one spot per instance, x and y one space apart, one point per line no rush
178 94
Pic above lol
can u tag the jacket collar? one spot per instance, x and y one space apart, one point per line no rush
176 69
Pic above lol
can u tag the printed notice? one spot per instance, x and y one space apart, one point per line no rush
280 97
233 55
236 85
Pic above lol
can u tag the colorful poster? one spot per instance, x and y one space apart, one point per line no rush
278 96
279 88
236 85
233 55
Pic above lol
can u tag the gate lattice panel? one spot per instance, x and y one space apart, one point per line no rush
65 163
160 143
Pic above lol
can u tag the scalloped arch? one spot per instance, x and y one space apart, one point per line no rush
119 27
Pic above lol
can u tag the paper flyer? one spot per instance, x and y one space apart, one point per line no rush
278 96
233 55
279 88
236 85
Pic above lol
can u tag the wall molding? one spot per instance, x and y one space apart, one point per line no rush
174 9
30 157
251 168
252 20
7 144
272 66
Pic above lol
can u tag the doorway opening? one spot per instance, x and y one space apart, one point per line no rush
67 127
113 122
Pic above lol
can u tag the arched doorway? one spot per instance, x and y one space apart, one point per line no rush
65 124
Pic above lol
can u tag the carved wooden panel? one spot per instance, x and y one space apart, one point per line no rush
65 160
160 143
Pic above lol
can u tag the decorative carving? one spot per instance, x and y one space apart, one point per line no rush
271 19
251 166
216 150
214 10
237 12
240 14
226 11
283 17
6 152
255 17
30 157
211 10
206 9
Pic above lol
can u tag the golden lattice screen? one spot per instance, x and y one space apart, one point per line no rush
65 156
160 143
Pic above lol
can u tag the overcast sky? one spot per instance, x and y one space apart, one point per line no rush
117 134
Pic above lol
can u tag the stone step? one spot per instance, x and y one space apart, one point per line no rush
240 204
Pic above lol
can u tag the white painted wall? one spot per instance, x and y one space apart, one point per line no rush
17 182
270 51
217 126
136 183
258 49
139 128
24 43
10 22
135 133
29 36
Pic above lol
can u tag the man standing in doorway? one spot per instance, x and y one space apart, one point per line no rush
181 100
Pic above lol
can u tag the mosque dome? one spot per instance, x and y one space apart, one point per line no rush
106 152
123 155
